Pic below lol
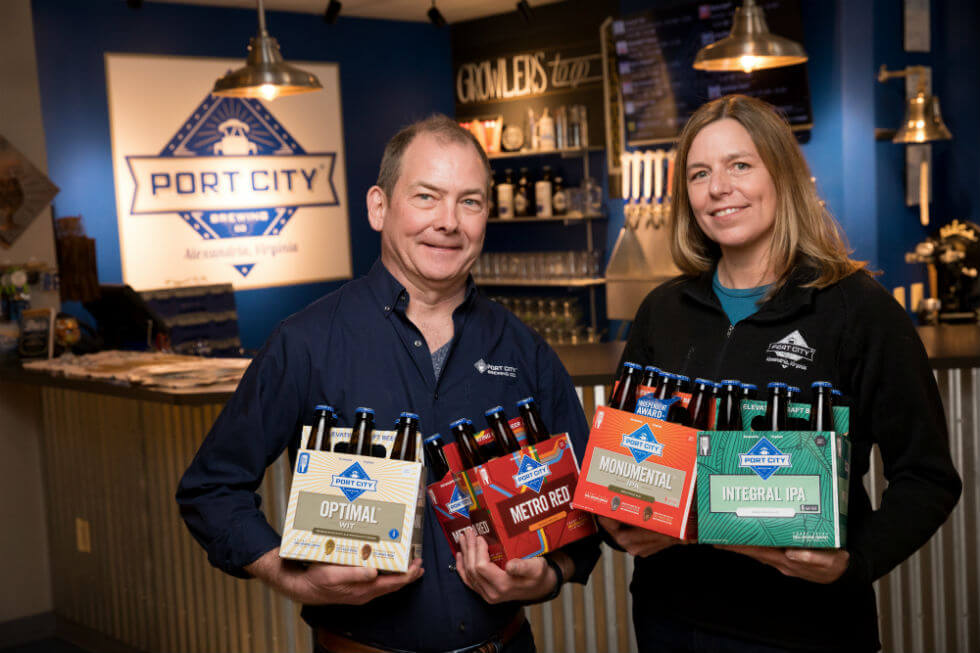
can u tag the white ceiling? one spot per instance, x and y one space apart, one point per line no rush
413 10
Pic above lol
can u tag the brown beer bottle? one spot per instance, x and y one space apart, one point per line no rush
534 429
700 406
650 376
730 409
624 396
435 457
324 420
749 391
822 408
776 407
406 432
502 433
360 437
469 450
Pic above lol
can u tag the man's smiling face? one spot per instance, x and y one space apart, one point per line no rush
433 224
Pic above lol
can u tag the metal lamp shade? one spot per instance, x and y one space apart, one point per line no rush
923 122
265 74
750 46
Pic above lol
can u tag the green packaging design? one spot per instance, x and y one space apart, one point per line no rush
786 488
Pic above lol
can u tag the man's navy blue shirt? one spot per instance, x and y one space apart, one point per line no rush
356 347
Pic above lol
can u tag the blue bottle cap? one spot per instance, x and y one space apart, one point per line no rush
633 365
432 438
406 414
750 386
525 401
461 420
649 368
324 407
709 382
733 382
681 377
821 384
793 388
836 392
495 409
361 409
776 384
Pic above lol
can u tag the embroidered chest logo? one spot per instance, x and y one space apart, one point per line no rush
642 444
764 459
492 369
232 170
531 474
354 482
791 351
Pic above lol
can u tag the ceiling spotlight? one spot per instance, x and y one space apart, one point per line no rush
435 16
332 11
525 10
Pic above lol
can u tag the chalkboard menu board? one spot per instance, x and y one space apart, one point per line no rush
654 53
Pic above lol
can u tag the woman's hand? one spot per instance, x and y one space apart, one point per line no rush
815 565
637 541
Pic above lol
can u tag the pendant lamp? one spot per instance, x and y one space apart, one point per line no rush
265 74
750 45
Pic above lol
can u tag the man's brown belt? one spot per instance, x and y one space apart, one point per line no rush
335 643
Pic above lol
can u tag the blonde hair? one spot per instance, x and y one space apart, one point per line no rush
804 232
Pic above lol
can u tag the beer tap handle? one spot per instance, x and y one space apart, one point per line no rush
648 194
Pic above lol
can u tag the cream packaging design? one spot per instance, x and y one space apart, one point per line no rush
355 510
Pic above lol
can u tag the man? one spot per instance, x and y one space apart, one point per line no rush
414 334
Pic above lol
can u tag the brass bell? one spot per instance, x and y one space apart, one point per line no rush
923 122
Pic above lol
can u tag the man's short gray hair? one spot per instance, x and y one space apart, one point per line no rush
439 125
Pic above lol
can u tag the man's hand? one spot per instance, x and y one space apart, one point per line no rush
815 565
320 584
521 580
637 541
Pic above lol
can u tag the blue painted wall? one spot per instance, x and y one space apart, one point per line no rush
390 72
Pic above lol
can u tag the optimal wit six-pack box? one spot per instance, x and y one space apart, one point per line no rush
355 510
775 488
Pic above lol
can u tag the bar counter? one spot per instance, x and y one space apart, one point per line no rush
123 564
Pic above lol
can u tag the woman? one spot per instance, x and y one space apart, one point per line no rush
765 264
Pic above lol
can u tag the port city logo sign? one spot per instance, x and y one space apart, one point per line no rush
231 193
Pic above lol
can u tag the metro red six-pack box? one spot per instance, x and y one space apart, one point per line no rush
520 503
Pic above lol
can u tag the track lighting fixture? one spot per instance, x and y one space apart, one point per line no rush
435 16
332 11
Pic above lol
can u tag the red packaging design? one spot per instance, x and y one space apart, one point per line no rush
520 503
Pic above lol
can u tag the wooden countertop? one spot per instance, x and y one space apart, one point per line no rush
949 346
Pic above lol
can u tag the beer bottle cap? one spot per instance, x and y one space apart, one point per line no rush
750 386
633 365
365 410
525 401
324 407
707 382
650 368
432 438
821 384
776 384
681 377
461 420
495 409
793 388
733 382
836 392
412 415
